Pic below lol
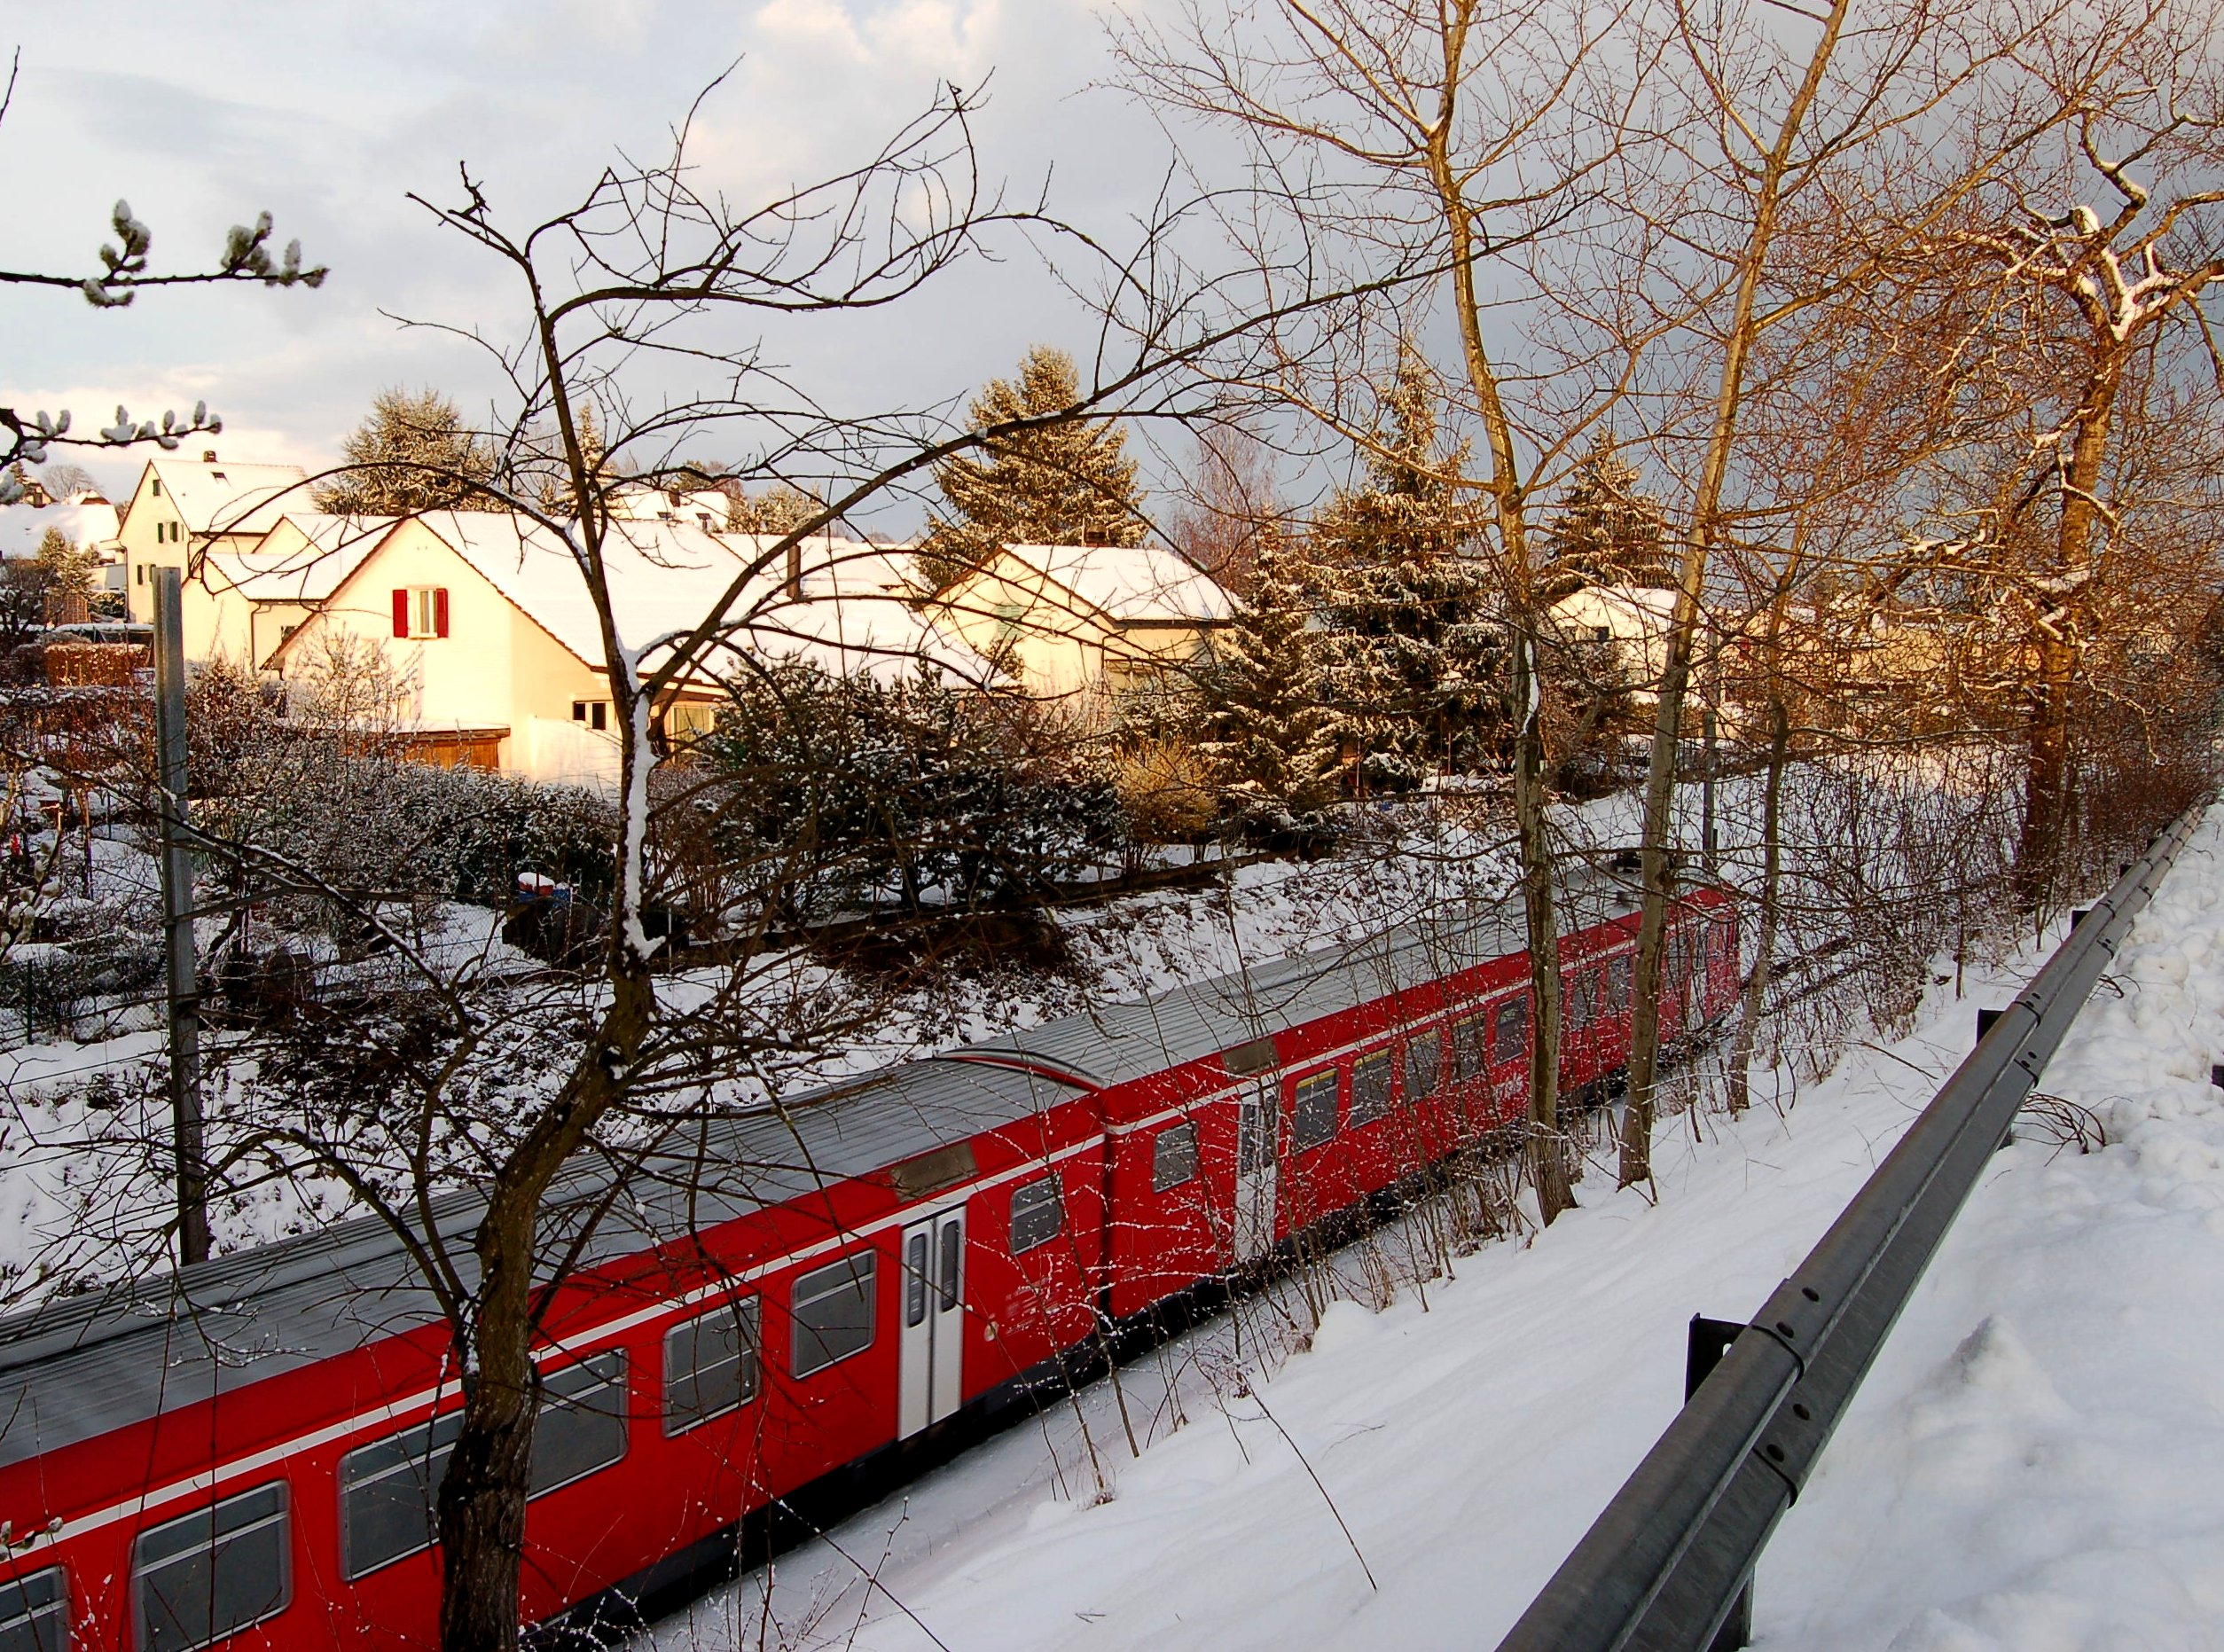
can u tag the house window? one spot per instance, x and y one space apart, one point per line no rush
156 488
420 611
594 713
198 1579
138 571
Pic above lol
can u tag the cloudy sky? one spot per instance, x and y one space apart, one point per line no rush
328 116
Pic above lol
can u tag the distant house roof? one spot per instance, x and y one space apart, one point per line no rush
639 502
23 526
1629 609
829 564
664 577
1133 584
301 558
215 496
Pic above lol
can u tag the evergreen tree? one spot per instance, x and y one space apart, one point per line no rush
556 490
780 509
1609 531
69 573
1064 484
412 453
1272 742
1408 656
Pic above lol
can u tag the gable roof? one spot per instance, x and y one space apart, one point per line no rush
304 557
663 578
23 526
1131 584
226 498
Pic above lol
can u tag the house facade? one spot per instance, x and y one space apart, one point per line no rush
182 508
1086 624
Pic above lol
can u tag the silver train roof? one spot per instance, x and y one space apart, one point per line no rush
80 1368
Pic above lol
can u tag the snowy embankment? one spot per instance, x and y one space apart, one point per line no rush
2037 1461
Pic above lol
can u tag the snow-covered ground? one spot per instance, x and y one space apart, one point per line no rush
2036 1462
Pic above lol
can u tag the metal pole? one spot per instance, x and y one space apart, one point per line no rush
177 919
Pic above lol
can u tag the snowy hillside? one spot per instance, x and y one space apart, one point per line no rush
2037 1460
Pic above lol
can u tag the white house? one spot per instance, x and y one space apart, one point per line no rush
1634 620
487 624
1084 624
182 508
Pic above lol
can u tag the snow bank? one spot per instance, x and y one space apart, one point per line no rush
2037 1461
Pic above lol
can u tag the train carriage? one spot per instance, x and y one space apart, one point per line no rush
247 1456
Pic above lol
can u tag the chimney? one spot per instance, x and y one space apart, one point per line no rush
209 456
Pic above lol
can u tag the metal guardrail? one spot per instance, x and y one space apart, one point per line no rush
1665 1566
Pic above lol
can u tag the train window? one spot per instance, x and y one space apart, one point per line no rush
1618 979
1678 959
1370 1087
1510 1036
386 1495
710 1364
220 1569
1039 1214
1424 1055
34 1613
1467 1046
1173 1157
1583 999
581 1422
832 1313
1314 1118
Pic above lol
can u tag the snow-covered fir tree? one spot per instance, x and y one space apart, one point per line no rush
1608 530
1271 740
780 509
1408 654
1064 484
410 453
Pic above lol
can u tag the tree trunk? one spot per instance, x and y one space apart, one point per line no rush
2048 783
1756 989
1547 1152
1660 780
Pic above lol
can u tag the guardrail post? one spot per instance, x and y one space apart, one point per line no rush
1710 1340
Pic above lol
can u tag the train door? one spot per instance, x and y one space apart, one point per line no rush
933 1321
1255 1121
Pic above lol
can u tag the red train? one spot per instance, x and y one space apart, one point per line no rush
245 1456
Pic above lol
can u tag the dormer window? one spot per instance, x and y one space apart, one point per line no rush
217 476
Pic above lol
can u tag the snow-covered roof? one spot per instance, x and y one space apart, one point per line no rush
23 526
216 497
664 577
639 502
830 564
1131 583
302 558
1628 608
852 635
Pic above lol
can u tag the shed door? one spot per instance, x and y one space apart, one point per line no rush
1255 1121
932 1321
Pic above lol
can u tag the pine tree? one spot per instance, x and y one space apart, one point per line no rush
780 509
1408 655
1609 531
70 574
410 453
556 488
1272 743
1063 483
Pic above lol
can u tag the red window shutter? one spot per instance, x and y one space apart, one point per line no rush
400 613
440 611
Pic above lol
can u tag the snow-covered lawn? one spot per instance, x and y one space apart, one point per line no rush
2037 1461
